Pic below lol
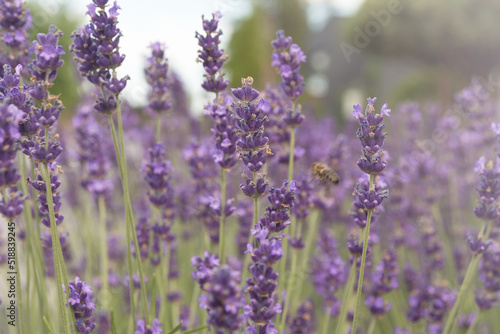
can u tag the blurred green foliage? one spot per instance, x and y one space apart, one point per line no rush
453 39
250 47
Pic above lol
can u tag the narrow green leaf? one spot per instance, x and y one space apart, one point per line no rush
195 330
176 328
112 320
51 331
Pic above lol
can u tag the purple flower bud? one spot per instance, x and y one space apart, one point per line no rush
81 303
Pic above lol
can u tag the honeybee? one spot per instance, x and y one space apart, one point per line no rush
324 173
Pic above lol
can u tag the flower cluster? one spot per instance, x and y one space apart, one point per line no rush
430 302
210 213
303 322
92 153
39 185
287 58
372 137
15 23
328 271
47 56
384 280
211 56
44 149
81 303
157 173
489 274
262 287
96 50
156 77
199 157
488 189
10 117
282 201
223 132
223 299
249 116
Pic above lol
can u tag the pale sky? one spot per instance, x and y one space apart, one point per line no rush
174 23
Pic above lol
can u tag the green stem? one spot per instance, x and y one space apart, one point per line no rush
87 229
312 230
464 288
222 226
326 322
255 220
290 280
158 128
129 254
129 212
347 294
56 251
33 243
357 308
292 152
455 311
104 247
371 327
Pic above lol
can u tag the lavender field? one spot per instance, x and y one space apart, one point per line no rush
257 214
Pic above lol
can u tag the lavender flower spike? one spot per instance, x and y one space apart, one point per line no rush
156 76
81 303
369 197
249 115
262 287
224 299
96 50
211 56
15 23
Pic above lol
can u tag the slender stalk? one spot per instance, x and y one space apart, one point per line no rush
469 275
455 311
128 210
104 245
361 274
362 267
255 220
291 278
222 226
371 327
158 128
311 235
325 323
56 251
292 152
33 242
129 254
347 297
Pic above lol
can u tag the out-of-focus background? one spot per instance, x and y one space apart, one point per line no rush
392 49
